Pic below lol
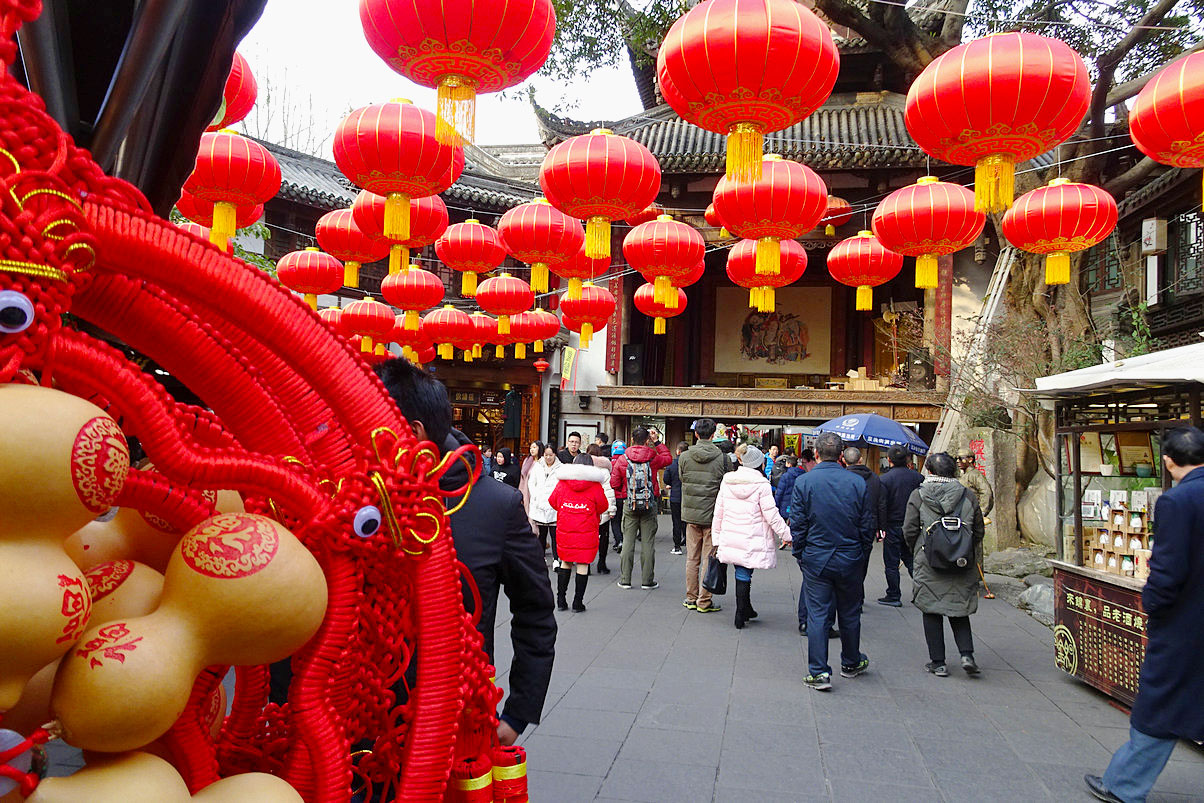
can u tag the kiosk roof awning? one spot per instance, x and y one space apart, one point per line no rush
1177 366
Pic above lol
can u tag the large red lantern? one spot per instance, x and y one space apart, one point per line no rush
446 327
838 213
1168 116
662 250
461 48
540 325
238 95
540 234
505 295
412 290
929 219
470 247
368 318
578 269
232 171
201 211
996 101
864 263
589 313
646 303
600 177
745 67
787 201
390 149
428 220
338 233
1057 219
520 333
742 270
332 316
311 273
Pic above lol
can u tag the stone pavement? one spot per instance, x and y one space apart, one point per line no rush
652 702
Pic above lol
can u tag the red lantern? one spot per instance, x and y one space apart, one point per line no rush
390 149
428 220
785 202
600 177
332 315
201 211
195 229
484 332
460 48
645 302
413 342
412 290
541 365
470 247
311 273
505 295
838 213
696 273
589 313
540 325
864 263
663 250
745 67
425 356
447 326
540 234
578 269
930 218
712 219
338 233
1168 115
1059 218
997 101
368 318
238 96
232 171
520 333
649 213
742 270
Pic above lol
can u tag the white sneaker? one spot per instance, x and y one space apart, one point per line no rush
675 551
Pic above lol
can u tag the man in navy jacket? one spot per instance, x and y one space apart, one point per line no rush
1168 704
897 486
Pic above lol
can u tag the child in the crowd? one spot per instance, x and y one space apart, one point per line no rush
580 502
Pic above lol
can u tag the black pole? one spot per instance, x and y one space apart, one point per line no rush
46 56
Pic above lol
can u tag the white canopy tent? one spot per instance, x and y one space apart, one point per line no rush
1169 367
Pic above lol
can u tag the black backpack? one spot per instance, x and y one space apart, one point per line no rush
949 541
639 487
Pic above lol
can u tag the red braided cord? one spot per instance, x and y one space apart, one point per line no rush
151 492
188 739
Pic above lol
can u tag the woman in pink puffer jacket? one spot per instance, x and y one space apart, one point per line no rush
745 525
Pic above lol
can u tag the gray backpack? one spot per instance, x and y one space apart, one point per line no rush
639 487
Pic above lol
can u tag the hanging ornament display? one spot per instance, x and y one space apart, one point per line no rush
787 201
540 325
503 296
412 290
646 303
744 68
1168 115
339 236
662 250
650 212
926 220
470 247
460 48
428 221
446 327
588 315
599 177
864 263
540 234
742 270
368 318
712 219
238 96
311 273
997 101
232 171
579 269
1058 219
838 213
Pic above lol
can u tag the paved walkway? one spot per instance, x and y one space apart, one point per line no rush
652 702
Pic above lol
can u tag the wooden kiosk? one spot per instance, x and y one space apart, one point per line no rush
1109 424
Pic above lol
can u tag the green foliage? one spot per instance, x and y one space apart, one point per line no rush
596 33
258 230
1141 339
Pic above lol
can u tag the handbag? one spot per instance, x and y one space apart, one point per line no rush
715 580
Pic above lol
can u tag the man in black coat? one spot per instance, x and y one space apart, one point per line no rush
898 483
494 540
671 477
1168 704
854 461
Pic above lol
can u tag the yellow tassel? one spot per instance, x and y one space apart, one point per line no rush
926 271
1057 268
445 351
754 298
671 298
408 353
574 291
366 345
658 326
397 216
312 300
476 349
467 355
499 352
767 299
724 233
468 284
769 256
745 150
539 277
503 324
520 351
830 230
399 258
457 105
381 350
658 289
351 274
537 347
865 298
412 322
587 332
994 183
223 225
597 237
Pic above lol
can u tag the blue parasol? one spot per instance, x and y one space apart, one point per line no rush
874 430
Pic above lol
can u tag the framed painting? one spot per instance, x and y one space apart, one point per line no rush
794 339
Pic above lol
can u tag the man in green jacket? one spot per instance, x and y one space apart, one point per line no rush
701 469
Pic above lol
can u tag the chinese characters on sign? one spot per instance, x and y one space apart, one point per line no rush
1099 633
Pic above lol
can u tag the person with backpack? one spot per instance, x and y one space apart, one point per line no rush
580 503
633 476
943 528
701 469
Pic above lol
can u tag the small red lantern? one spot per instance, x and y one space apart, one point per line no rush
195 229
460 48
1057 219
742 270
238 96
505 295
600 177
332 315
838 213
201 211
930 218
368 318
470 247
425 356
541 365
484 332
785 202
589 313
428 220
745 67
412 290
540 234
649 213
446 327
696 273
232 171
662 250
579 268
645 302
413 342
541 325
864 263
996 101
712 219
1168 115
311 273
339 235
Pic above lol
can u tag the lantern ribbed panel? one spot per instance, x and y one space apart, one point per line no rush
540 234
470 247
310 272
695 273
1167 119
541 325
389 148
200 211
333 316
651 212
446 327
338 234
413 290
742 270
238 95
505 295
925 220
1059 219
369 319
427 221
484 332
838 212
195 229
862 261
412 341
580 269
661 250
233 169
786 202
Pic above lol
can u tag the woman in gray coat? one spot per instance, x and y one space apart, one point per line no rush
944 593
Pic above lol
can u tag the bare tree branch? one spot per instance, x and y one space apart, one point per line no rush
1123 91
1107 63
1132 177
955 21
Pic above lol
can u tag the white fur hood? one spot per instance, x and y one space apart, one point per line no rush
572 471
744 476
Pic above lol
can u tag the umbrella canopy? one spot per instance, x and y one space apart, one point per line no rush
874 430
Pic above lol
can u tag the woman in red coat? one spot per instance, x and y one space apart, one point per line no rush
580 502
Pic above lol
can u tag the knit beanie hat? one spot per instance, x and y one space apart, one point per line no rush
753 458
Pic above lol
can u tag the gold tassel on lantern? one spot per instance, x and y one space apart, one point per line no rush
399 258
476 349
537 347
366 345
397 216
1057 268
312 300
587 332
659 289
520 351
767 299
412 322
468 284
445 351
725 234
745 150
597 237
503 324
499 351
457 110
994 183
408 353
671 298
224 217
865 297
539 277
658 326
380 350
830 230
769 256
351 274
926 271
574 291
753 294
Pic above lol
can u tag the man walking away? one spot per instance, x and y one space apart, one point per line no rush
641 460
973 479
1168 698
572 448
897 486
854 460
618 483
779 470
830 523
701 470
672 478
790 473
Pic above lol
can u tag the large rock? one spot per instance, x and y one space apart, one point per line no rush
1005 588
1037 512
1037 579
1017 563
1038 600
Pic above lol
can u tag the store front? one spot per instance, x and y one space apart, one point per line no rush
494 403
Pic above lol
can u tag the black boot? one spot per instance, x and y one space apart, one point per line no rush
742 589
603 543
562 587
579 592
749 613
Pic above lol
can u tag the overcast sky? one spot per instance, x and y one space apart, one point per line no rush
318 48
